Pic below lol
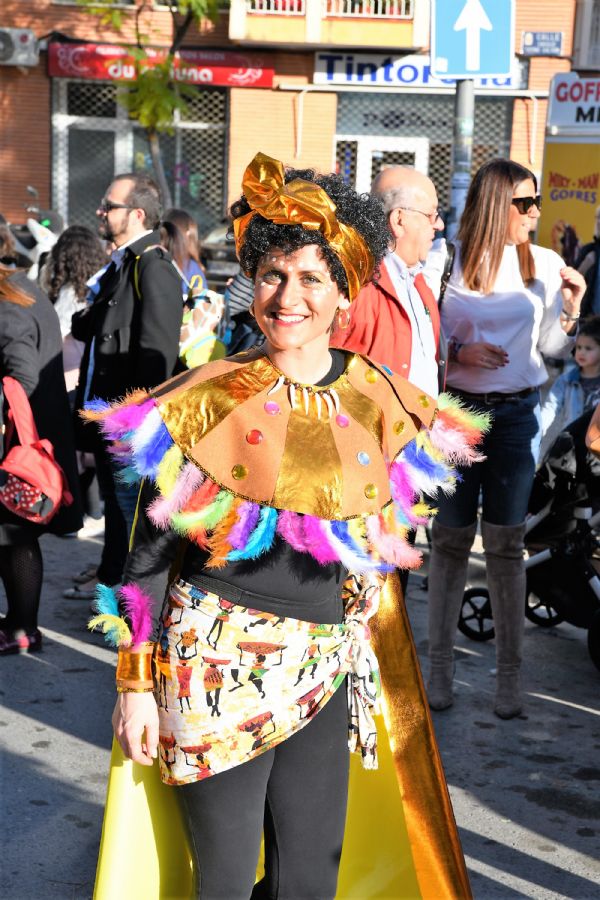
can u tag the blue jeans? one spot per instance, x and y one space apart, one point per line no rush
120 501
505 477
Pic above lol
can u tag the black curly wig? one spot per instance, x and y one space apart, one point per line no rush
362 211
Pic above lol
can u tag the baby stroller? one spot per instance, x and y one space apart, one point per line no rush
562 545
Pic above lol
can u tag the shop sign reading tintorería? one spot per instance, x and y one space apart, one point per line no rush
110 62
371 70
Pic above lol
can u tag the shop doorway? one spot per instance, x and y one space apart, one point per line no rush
361 158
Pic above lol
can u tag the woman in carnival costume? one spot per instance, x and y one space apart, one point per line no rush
277 489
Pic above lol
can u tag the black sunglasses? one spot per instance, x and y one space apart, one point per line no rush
524 204
107 205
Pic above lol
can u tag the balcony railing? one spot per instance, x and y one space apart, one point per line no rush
369 9
348 9
276 7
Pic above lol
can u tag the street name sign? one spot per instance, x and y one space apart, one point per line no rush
542 43
472 38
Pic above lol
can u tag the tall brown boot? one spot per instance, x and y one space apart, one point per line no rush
447 576
503 545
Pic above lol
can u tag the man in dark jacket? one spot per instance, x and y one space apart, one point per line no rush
131 333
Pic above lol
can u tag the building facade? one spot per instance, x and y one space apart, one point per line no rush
343 84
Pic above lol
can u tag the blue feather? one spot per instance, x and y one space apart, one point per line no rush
105 602
97 405
128 475
149 456
341 532
261 539
421 460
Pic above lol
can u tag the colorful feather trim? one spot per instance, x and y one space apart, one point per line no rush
137 606
233 529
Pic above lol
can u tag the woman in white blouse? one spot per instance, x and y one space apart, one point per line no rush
507 302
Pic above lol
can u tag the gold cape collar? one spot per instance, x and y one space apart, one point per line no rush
323 452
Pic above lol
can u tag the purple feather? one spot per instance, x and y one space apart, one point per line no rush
137 606
248 514
126 418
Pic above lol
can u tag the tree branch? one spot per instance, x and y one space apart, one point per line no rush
181 31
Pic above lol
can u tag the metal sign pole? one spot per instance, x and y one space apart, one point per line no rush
462 152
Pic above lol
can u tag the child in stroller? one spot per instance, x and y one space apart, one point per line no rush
562 544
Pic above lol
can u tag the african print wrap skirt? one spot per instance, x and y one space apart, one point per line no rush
233 682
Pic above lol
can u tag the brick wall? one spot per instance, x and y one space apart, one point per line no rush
268 121
45 16
25 138
529 121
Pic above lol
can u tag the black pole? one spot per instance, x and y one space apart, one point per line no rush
462 151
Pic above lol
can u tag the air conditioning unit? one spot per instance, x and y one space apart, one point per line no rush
18 47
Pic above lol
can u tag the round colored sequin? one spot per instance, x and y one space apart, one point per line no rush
370 491
239 472
363 458
272 408
399 427
371 376
424 400
254 437
342 420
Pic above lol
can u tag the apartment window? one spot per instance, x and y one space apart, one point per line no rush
587 35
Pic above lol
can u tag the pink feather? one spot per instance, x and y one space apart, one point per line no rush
289 527
391 547
316 543
162 508
403 490
137 606
453 443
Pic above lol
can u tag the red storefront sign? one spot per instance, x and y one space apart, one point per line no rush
109 62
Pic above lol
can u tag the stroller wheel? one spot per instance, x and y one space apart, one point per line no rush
475 620
594 639
540 611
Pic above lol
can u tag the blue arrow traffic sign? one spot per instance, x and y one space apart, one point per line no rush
472 38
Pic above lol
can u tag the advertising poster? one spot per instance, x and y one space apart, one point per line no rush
570 185
570 192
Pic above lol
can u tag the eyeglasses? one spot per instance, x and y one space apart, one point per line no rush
524 204
107 205
432 216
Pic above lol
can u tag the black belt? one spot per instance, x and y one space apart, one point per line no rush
493 396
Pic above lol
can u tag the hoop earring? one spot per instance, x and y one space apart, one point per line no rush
251 310
343 319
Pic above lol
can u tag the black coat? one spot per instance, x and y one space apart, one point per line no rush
135 330
31 351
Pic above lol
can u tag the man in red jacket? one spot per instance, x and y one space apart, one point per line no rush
395 319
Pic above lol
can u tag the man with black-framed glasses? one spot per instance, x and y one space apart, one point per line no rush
395 318
131 335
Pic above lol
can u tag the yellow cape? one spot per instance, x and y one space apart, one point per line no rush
401 839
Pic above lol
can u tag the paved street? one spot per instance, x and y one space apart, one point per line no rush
526 792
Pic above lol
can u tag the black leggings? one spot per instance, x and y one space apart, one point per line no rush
22 571
298 793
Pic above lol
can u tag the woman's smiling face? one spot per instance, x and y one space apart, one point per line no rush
295 299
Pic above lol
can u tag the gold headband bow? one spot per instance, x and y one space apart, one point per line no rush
302 203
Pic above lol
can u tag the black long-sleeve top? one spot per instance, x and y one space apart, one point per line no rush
281 581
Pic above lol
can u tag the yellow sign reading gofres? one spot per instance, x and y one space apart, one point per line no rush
570 192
